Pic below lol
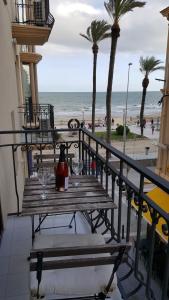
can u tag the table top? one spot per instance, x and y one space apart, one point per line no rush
89 195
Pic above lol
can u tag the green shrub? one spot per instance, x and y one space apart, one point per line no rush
120 130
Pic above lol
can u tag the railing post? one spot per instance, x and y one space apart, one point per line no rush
120 202
139 223
151 253
27 153
129 198
83 150
113 176
80 150
166 272
15 180
106 170
89 157
97 160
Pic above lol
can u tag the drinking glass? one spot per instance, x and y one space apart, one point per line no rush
77 166
43 176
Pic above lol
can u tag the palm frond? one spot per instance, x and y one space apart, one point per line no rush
85 36
97 31
149 65
106 36
117 8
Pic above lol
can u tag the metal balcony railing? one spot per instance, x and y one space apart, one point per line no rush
33 12
37 116
147 267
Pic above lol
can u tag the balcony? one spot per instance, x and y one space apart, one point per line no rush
30 57
145 274
33 22
36 116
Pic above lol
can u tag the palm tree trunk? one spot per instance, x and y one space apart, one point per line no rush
115 33
95 51
145 85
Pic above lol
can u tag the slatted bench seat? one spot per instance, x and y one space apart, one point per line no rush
47 160
80 265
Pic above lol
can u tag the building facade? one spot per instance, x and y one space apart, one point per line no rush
23 25
163 146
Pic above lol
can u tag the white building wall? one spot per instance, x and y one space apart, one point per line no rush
8 113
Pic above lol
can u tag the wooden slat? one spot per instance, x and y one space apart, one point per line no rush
80 250
80 178
67 208
69 193
58 202
64 196
51 156
74 263
52 186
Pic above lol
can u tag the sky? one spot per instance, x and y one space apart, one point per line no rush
67 63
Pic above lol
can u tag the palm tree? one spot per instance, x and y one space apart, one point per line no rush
116 9
147 66
96 32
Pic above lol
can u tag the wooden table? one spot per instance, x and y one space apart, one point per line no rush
88 196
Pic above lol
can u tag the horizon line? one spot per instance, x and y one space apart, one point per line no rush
96 92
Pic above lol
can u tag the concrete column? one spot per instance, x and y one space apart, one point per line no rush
33 86
36 83
19 81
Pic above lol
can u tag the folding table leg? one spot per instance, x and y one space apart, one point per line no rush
33 231
73 219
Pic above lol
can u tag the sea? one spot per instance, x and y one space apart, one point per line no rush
71 104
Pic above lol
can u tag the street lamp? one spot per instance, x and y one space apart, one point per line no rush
125 111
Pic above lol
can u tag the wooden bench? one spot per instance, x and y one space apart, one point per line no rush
85 269
47 160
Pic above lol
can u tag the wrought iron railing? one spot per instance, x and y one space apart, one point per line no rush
33 13
126 187
36 116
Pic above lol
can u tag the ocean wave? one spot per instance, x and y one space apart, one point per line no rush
77 104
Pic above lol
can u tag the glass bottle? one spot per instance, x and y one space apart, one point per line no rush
61 171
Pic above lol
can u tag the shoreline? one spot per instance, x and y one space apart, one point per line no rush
100 119
133 147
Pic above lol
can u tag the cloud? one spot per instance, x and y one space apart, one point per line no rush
68 9
72 18
52 49
142 31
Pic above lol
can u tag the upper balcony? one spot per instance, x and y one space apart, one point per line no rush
36 116
33 22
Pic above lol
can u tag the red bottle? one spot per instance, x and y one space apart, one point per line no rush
61 171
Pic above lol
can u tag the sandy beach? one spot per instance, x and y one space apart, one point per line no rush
61 121
134 146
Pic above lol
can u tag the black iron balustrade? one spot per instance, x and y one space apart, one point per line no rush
36 116
123 223
33 12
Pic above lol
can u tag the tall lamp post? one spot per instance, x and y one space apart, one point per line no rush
125 111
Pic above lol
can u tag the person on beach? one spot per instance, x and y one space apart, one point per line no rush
152 122
144 123
138 122
105 119
152 127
